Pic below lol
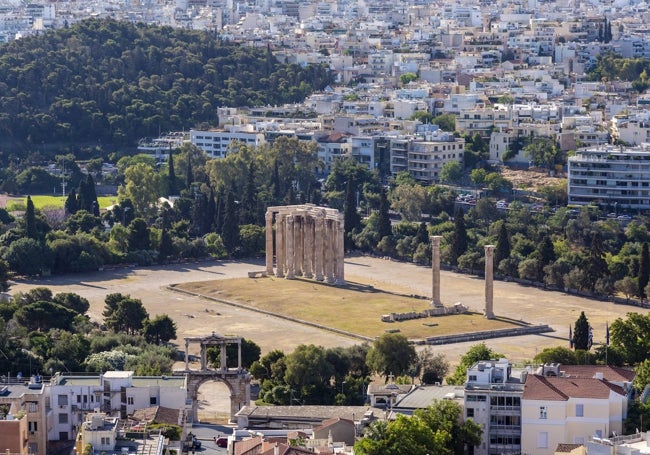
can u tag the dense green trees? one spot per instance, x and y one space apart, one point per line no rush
438 429
109 82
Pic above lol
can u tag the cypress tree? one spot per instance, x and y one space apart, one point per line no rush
166 244
351 216
460 241
71 203
249 199
30 220
230 228
422 235
384 226
644 270
546 255
219 212
189 175
502 250
275 181
596 266
581 333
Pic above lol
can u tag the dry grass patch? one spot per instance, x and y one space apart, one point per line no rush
356 307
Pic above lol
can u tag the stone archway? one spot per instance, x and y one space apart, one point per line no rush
238 380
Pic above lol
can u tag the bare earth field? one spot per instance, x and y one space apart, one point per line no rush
197 316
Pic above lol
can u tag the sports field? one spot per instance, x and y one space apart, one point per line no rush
40 202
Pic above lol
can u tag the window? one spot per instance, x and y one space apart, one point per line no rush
32 426
32 407
542 412
580 410
542 440
472 377
129 400
63 418
470 412
62 400
153 400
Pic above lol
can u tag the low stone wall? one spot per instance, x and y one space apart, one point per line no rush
475 336
457 308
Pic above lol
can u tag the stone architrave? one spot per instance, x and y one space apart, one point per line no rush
435 271
488 311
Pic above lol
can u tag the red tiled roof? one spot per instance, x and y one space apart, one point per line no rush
561 389
611 373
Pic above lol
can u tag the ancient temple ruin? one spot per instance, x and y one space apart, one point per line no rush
308 243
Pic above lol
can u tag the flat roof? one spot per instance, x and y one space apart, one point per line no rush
162 381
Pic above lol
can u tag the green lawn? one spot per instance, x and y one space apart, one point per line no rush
18 203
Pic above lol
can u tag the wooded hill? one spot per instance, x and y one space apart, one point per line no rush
111 83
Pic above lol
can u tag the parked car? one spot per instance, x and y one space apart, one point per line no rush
221 442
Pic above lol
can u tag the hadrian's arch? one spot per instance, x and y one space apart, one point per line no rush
237 379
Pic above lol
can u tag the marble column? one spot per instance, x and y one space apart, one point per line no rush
488 312
319 232
298 235
291 270
340 253
280 234
435 271
308 237
269 243
330 240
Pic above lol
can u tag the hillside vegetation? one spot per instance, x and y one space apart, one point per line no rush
107 82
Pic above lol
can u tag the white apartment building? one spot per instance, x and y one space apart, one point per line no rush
611 176
115 392
216 143
632 128
493 400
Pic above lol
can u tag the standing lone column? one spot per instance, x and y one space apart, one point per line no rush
435 271
330 240
269 243
489 281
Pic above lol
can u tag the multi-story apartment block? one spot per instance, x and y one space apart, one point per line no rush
30 407
493 400
483 120
216 143
430 152
612 176
332 147
73 397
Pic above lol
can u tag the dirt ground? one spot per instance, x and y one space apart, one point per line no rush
195 316
531 180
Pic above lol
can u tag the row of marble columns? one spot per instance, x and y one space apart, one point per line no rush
488 310
308 242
